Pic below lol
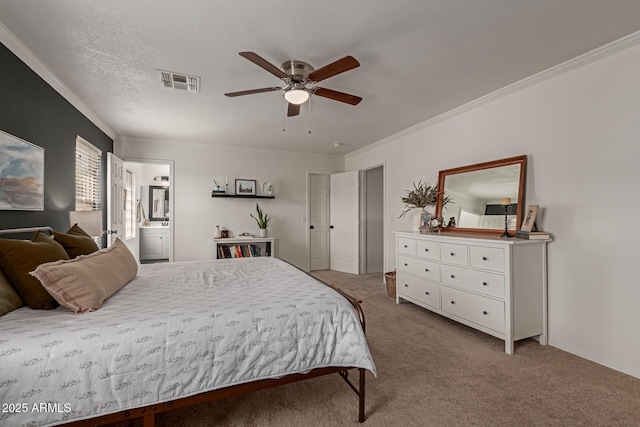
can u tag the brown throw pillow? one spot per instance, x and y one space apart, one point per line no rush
19 257
9 299
84 283
76 242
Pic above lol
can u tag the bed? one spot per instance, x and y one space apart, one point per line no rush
177 335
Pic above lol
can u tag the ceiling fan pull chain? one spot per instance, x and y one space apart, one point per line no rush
284 117
309 116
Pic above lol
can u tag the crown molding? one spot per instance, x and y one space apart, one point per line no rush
32 61
577 62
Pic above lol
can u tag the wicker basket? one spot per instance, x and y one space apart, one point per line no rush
390 280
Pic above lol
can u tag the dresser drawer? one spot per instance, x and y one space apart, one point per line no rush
406 246
478 281
418 289
453 254
427 249
481 310
486 258
420 267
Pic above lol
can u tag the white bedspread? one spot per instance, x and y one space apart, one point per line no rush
176 330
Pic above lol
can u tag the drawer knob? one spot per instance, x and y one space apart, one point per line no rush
426 250
406 246
453 277
484 283
426 293
406 265
406 286
484 258
426 269
453 254
485 312
453 302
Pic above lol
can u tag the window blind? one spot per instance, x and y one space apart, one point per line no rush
88 176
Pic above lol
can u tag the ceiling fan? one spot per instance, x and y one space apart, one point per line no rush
297 75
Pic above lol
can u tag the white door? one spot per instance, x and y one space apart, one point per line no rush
115 199
345 237
319 221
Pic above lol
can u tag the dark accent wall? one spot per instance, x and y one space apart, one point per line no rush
32 110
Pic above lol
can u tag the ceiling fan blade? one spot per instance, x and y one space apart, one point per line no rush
293 110
340 66
263 63
252 91
337 96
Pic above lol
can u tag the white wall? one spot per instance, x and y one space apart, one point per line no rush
581 133
197 213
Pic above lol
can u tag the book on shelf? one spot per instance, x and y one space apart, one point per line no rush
238 251
532 235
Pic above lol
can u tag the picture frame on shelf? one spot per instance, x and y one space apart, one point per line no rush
529 218
246 187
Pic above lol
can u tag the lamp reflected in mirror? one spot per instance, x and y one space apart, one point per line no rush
506 202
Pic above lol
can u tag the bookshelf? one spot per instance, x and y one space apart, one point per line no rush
249 247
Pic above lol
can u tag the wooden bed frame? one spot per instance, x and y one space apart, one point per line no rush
147 413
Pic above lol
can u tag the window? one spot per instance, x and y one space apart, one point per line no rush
129 205
88 176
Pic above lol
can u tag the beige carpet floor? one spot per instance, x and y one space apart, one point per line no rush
435 372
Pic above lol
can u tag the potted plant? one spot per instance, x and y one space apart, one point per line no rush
262 219
417 199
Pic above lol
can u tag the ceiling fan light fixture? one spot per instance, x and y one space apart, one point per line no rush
297 95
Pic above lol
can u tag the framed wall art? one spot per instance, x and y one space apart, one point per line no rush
21 174
245 187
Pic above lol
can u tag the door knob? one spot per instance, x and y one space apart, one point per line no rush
311 227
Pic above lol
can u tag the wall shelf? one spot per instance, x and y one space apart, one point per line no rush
242 196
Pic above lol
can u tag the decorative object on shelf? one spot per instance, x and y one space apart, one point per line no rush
533 235
21 174
217 233
452 222
262 220
529 223
425 219
435 224
218 188
506 202
267 188
224 234
246 187
417 199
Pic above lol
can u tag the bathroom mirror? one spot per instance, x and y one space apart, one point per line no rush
158 203
476 192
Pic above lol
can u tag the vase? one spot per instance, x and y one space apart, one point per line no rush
416 215
264 232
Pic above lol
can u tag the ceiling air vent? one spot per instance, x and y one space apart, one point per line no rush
180 81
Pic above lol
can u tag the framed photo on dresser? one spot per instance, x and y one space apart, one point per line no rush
529 218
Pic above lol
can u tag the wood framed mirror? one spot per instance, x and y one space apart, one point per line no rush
476 192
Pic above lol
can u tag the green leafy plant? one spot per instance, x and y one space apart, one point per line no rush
262 219
422 195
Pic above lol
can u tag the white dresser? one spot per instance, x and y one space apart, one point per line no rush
497 286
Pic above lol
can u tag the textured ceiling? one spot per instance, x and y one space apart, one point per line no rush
419 59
